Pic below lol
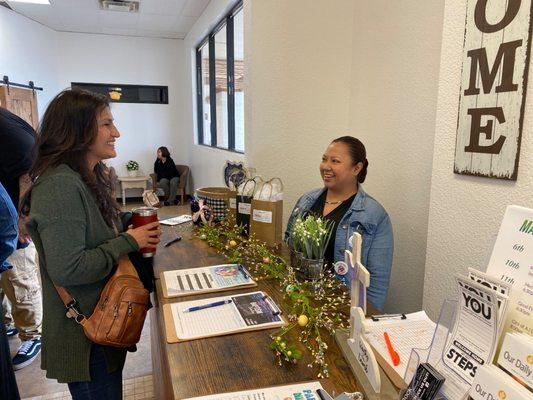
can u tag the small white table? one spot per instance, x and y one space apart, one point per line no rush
132 182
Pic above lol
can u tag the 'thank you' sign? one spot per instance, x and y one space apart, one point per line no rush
493 87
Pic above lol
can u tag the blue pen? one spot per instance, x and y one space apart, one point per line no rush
215 304
243 271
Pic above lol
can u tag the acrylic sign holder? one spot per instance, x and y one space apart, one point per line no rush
435 352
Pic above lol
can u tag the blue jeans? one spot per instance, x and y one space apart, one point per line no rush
103 385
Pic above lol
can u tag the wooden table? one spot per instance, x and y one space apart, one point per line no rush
226 363
132 182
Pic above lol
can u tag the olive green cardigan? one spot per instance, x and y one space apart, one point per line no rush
77 250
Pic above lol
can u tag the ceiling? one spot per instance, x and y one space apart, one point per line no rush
156 18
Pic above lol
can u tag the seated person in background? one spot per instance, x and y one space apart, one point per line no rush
167 174
343 201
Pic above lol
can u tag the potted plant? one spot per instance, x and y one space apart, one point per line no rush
132 167
310 238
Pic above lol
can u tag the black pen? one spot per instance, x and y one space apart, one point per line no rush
323 395
172 241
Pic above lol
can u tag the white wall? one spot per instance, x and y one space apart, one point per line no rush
133 60
298 67
53 60
465 212
206 162
29 52
396 56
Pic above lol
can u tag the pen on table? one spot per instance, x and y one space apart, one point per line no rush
376 318
323 394
244 272
393 354
178 238
204 306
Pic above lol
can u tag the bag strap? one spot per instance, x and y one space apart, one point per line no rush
72 305
278 179
269 184
246 183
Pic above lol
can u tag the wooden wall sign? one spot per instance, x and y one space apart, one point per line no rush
496 51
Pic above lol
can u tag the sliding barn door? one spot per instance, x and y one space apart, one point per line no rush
22 102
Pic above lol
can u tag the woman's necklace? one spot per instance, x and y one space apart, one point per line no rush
334 202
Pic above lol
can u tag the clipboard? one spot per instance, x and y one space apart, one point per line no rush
247 312
210 279
406 332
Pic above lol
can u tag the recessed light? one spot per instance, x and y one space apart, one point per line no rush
45 2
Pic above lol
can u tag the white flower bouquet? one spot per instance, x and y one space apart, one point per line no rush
132 165
311 236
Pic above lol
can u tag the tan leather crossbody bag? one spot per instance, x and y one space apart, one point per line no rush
118 318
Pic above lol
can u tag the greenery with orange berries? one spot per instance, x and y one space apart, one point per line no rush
312 312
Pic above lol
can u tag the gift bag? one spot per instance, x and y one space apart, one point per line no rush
267 213
235 180
245 194
150 199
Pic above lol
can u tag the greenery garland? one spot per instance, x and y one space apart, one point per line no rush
312 311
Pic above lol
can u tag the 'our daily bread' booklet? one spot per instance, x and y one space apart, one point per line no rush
516 357
491 383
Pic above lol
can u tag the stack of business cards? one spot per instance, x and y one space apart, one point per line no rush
425 384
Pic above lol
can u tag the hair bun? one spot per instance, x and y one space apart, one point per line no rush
362 175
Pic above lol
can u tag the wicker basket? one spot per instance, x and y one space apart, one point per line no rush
217 198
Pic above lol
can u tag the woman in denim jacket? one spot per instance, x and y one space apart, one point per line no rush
343 201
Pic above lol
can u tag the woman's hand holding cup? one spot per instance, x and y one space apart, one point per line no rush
146 235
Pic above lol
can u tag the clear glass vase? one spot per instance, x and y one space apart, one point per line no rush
312 269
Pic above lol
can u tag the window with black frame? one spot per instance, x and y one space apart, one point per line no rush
219 84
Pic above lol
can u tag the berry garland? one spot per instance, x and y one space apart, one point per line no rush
313 310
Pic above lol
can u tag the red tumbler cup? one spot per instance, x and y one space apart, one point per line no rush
142 216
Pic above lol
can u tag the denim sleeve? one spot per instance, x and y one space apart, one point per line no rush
379 263
8 229
292 218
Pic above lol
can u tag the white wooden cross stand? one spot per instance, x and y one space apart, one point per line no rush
361 277
355 347
360 280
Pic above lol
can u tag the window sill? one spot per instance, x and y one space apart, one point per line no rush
220 148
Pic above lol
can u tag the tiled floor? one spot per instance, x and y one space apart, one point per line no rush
138 384
140 388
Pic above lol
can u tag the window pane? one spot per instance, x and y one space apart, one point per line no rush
221 75
238 32
206 118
